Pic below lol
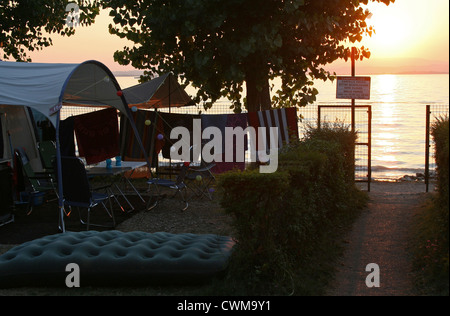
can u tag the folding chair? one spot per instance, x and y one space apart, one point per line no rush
47 150
77 191
35 182
178 185
201 178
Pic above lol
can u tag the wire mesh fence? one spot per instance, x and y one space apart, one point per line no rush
310 116
433 114
342 116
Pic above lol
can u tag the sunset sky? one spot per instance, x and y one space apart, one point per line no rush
407 29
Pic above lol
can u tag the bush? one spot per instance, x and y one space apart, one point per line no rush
285 219
431 230
440 133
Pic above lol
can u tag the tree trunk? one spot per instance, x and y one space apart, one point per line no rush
258 99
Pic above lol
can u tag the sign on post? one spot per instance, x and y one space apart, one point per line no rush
353 88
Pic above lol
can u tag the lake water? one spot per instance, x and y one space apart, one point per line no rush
398 118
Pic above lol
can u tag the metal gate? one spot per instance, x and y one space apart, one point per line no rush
363 126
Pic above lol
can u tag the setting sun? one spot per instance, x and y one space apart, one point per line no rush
395 33
409 29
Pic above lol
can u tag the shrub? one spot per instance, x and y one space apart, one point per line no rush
339 134
440 133
284 219
431 229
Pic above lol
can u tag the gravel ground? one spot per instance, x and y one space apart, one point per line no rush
202 217
380 236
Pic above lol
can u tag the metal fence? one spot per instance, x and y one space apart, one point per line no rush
433 113
310 116
342 115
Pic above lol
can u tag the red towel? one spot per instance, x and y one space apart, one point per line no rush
97 135
130 149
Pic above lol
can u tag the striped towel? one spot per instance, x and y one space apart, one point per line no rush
284 119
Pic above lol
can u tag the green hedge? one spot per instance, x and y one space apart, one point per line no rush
440 133
430 243
286 220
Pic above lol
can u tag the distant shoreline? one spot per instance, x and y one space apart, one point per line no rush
137 74
407 73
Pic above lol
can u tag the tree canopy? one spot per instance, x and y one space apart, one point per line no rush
26 24
222 47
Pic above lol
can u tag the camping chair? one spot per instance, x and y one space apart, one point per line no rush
77 191
35 183
178 185
47 150
201 178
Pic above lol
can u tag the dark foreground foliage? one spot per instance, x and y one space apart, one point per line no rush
430 241
289 222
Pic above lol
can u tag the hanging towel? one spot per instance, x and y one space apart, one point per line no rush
66 137
171 121
97 135
130 149
232 120
284 119
1 139
215 120
239 120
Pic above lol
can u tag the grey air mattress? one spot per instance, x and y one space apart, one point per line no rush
116 258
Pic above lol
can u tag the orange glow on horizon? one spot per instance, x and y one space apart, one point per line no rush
405 29
409 29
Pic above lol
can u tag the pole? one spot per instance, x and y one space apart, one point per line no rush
62 225
353 75
318 117
427 149
369 162
354 106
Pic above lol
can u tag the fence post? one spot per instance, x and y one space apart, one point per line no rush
427 149
319 108
369 162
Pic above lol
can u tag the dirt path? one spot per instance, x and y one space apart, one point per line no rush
380 236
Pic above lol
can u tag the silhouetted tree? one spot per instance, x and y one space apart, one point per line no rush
26 24
218 45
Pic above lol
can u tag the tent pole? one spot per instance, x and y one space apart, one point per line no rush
59 174
11 147
170 111
170 93
152 146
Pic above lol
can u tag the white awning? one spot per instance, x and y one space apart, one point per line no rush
46 87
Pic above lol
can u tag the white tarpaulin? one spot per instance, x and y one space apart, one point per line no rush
46 87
